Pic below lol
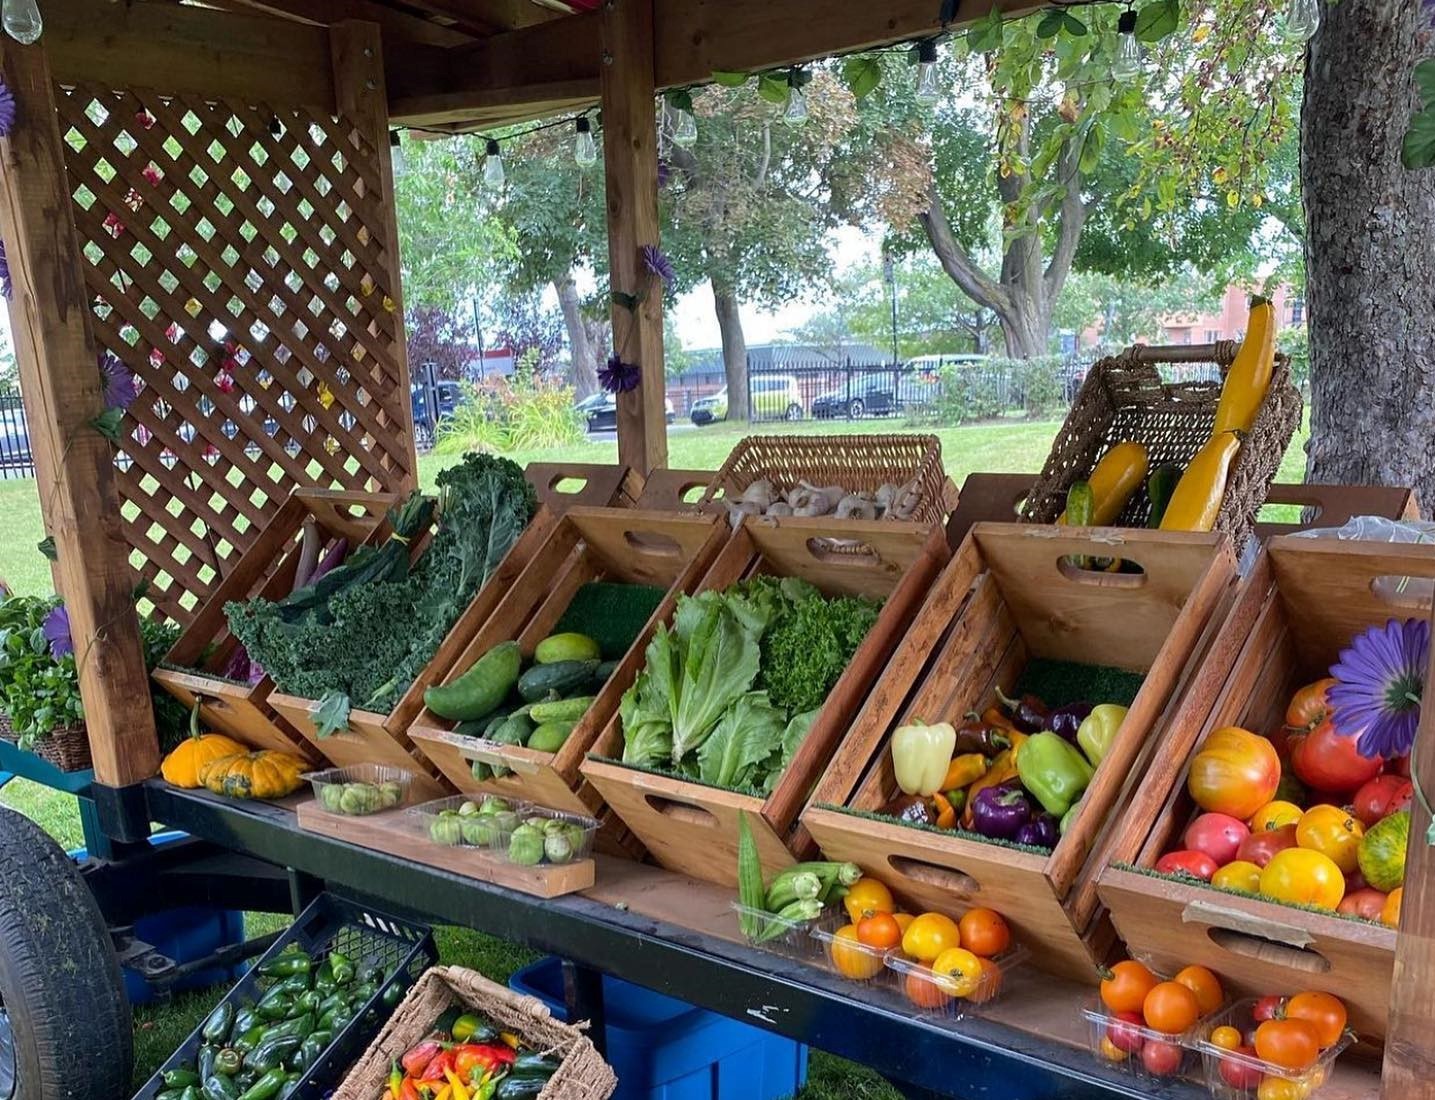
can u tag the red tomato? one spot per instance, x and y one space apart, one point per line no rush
1234 772
1268 1008
1365 903
1218 835
1329 762
1191 864
1309 706
1161 1058
1382 796
1259 847
1124 1031
1237 1074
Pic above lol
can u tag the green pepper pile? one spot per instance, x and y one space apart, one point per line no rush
261 1050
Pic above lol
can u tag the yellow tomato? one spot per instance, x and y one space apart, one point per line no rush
903 919
849 957
868 896
1281 1088
929 935
1241 875
1111 1052
958 972
1275 814
1332 832
1305 877
1227 1038
1390 911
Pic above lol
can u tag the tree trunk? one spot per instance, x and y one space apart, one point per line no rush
585 374
734 350
1026 328
1368 255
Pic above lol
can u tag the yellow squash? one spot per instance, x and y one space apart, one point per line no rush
265 774
1116 477
1197 500
1250 375
184 763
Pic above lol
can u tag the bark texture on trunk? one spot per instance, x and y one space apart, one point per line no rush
585 370
734 350
1369 257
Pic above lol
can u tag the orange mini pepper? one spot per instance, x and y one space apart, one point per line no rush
963 770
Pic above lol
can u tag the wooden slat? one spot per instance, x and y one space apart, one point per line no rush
397 26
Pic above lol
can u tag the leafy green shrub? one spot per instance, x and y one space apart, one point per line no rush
39 692
1295 342
1037 384
501 415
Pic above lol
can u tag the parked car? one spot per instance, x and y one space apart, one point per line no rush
601 411
708 409
865 395
774 396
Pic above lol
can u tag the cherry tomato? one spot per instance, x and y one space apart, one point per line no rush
1238 1073
1281 1088
1196 865
1226 1037
880 930
1325 760
1332 832
1275 814
1390 911
1268 1008
1290 1044
1309 706
1259 847
1323 1011
923 990
1218 835
1124 1031
867 896
929 935
1124 987
1234 772
1205 985
1382 796
1366 903
1161 1058
1240 875
1110 1051
1305 877
1171 1008
849 958
984 932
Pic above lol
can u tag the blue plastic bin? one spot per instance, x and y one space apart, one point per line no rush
663 1049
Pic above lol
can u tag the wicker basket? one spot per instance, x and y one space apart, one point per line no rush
583 1075
1124 398
856 462
66 747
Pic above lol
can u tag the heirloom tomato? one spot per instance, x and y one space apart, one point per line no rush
1365 903
1205 985
1259 847
984 932
1390 911
1275 814
1240 875
1191 864
1382 796
1234 772
1305 877
1171 1008
1125 985
1333 832
1309 706
868 896
1290 1044
1325 760
1218 835
1323 1011
929 935
849 958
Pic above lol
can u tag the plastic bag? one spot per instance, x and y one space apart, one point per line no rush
1382 529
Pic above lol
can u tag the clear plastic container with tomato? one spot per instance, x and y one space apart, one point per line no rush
1121 1041
792 938
953 985
1240 1074
842 953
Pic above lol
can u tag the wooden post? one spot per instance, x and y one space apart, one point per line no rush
357 58
61 386
1409 1071
630 163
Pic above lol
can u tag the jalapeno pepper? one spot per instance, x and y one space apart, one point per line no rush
288 963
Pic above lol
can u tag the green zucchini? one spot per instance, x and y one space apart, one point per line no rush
1159 487
561 677
481 690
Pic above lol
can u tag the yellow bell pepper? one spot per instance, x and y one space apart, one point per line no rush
1250 375
1197 500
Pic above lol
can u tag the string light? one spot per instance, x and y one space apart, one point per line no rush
396 152
493 164
585 150
22 20
276 128
685 127
928 91
795 113
1302 21
1127 64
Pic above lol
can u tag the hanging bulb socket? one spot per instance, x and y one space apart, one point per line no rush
585 149
396 151
22 20
493 164
795 113
1127 63
928 90
1302 20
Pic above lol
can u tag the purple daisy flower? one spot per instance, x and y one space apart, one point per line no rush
657 262
1380 678
7 109
56 629
665 170
4 271
618 376
120 388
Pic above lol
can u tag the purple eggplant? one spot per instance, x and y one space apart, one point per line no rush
1065 721
1042 831
1000 811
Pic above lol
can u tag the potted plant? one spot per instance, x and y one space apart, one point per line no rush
39 682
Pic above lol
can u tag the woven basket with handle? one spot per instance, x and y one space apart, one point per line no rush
582 1075
66 747
1124 398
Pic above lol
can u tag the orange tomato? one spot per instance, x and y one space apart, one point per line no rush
1290 1044
958 972
903 919
1332 832
1309 706
1111 1052
991 983
849 958
1171 1008
880 930
1390 911
923 991
1275 814
1305 877
984 932
1240 874
1234 772
1124 987
929 935
1281 1088
1322 1010
1227 1037
1205 985
867 896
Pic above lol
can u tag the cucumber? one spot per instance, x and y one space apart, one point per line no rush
566 647
561 677
1080 504
602 674
481 690
561 710
1159 487
550 736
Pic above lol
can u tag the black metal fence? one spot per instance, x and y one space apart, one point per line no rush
16 459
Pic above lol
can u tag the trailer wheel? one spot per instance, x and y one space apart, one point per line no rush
65 1028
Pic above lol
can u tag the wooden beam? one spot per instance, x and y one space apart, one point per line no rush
1409 1069
630 163
171 48
60 383
485 17
399 27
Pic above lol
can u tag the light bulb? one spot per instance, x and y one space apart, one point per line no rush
396 152
585 150
685 127
928 91
1128 51
1302 21
22 20
795 113
493 165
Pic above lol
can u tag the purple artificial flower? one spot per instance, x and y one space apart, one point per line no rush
120 388
618 376
1380 678
4 271
665 170
657 262
7 109
56 629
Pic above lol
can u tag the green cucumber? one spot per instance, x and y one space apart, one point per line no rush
566 647
482 689
561 710
560 677
550 736
602 674
1159 487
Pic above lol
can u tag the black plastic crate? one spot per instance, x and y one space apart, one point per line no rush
366 936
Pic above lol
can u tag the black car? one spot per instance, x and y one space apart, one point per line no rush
601 411
872 395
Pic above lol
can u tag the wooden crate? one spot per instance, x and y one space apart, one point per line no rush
266 570
1302 604
1010 595
692 828
627 545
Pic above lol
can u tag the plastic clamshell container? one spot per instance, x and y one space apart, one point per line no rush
792 938
931 994
1227 1071
859 963
329 787
579 832
1136 1064
474 830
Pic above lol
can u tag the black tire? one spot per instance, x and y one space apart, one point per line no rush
794 412
855 409
60 984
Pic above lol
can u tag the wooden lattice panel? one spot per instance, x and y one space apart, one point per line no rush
237 260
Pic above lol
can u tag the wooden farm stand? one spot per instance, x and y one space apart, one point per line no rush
174 167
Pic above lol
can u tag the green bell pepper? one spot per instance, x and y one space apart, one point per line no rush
1068 817
1098 731
1053 771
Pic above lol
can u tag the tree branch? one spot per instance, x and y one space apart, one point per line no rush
1073 220
956 261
